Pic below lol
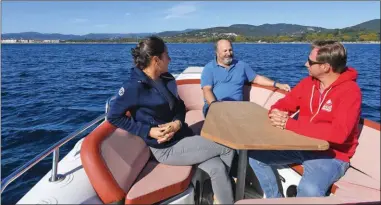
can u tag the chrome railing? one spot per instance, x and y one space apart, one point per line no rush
108 104
55 149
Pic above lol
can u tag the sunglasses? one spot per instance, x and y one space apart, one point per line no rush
311 62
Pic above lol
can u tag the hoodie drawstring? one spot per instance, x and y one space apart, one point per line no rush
320 103
312 96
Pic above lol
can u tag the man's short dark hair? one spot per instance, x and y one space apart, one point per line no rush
333 53
218 40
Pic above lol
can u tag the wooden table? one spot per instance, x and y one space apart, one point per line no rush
245 126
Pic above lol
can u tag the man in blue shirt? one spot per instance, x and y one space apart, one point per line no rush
223 78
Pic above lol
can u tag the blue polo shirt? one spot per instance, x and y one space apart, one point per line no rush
227 84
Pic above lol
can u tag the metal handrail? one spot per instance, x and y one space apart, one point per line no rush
108 102
54 148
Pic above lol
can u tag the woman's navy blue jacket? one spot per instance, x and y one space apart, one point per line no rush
148 108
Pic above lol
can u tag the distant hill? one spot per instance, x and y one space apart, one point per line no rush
94 36
255 31
274 30
173 33
280 29
39 36
99 36
372 25
57 36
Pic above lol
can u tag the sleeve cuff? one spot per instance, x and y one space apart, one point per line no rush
206 84
268 113
144 131
291 124
179 117
253 78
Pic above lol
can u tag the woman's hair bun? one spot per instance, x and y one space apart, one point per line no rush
135 52
146 49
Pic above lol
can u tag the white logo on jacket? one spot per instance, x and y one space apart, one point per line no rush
327 106
121 91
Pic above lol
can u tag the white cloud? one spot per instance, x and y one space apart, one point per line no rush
181 10
80 20
127 14
101 25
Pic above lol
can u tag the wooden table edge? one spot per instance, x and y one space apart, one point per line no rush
322 147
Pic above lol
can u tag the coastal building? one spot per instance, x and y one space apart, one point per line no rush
50 41
9 41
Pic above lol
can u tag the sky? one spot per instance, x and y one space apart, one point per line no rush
83 17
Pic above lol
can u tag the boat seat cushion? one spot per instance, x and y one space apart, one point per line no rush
355 177
357 192
158 182
125 156
367 157
195 120
292 200
264 96
307 200
112 159
353 184
192 96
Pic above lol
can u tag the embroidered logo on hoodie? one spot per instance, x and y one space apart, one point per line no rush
328 106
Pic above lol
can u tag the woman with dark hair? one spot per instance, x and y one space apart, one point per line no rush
156 113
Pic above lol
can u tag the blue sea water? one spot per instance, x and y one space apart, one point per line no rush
49 91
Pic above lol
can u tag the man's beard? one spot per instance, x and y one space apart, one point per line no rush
228 60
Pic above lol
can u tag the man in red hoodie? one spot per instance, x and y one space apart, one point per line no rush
329 104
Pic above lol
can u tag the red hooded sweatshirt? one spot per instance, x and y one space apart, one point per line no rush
332 115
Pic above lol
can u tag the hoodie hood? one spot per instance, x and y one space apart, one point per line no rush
349 75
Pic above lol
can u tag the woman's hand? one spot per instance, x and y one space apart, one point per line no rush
167 137
172 126
157 132
170 129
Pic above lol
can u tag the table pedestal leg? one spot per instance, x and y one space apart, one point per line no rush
241 175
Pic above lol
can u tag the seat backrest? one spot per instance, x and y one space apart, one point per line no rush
367 155
112 159
264 96
191 93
